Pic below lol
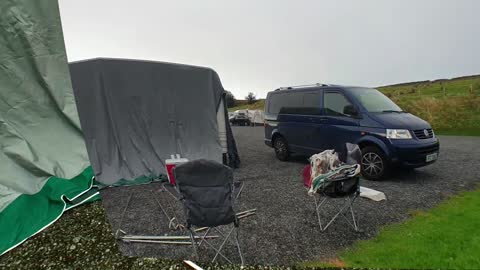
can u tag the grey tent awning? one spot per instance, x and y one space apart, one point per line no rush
135 114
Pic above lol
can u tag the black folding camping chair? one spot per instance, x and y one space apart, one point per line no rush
206 190
340 188
196 190
170 213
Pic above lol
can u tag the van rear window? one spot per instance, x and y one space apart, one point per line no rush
304 103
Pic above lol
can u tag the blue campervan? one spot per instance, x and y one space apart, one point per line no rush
310 119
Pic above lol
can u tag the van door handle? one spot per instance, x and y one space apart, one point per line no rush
323 120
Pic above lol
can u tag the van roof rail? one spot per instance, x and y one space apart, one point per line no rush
302 86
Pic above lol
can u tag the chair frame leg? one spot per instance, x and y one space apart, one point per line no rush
223 243
355 222
242 263
317 207
204 235
194 243
217 250
347 206
227 238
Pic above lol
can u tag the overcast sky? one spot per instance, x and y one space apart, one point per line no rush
259 45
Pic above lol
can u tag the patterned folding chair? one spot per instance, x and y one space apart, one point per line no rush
343 182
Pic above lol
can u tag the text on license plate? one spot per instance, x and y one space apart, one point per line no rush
432 157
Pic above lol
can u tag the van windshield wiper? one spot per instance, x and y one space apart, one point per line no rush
392 111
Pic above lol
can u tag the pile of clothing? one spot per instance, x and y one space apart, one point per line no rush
326 166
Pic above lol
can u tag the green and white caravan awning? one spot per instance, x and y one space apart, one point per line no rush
44 167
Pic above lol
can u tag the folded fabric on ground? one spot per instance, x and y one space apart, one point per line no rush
372 194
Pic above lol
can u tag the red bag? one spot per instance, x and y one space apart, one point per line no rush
306 176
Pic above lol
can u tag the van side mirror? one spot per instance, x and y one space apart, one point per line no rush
350 110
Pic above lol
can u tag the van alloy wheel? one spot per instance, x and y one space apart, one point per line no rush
374 166
372 163
281 148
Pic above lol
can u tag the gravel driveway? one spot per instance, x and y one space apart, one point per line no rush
285 230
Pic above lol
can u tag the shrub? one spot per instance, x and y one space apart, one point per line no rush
251 98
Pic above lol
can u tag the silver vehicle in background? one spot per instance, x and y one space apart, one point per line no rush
240 118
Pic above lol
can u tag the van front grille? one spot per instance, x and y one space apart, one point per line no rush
423 133
428 149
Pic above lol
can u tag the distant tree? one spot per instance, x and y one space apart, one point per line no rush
251 98
230 99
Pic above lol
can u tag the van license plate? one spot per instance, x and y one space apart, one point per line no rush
432 157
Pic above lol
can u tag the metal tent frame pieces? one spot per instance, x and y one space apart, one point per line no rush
161 239
173 239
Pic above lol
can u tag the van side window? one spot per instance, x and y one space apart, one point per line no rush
292 104
311 103
335 104
281 102
302 103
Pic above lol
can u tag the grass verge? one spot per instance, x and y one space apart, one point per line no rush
447 237
459 132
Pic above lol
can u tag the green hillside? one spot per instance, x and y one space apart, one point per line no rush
242 105
451 106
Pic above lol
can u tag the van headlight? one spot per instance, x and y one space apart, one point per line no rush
398 134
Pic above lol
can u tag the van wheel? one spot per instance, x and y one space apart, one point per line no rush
281 148
374 163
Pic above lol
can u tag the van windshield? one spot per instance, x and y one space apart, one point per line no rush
374 101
